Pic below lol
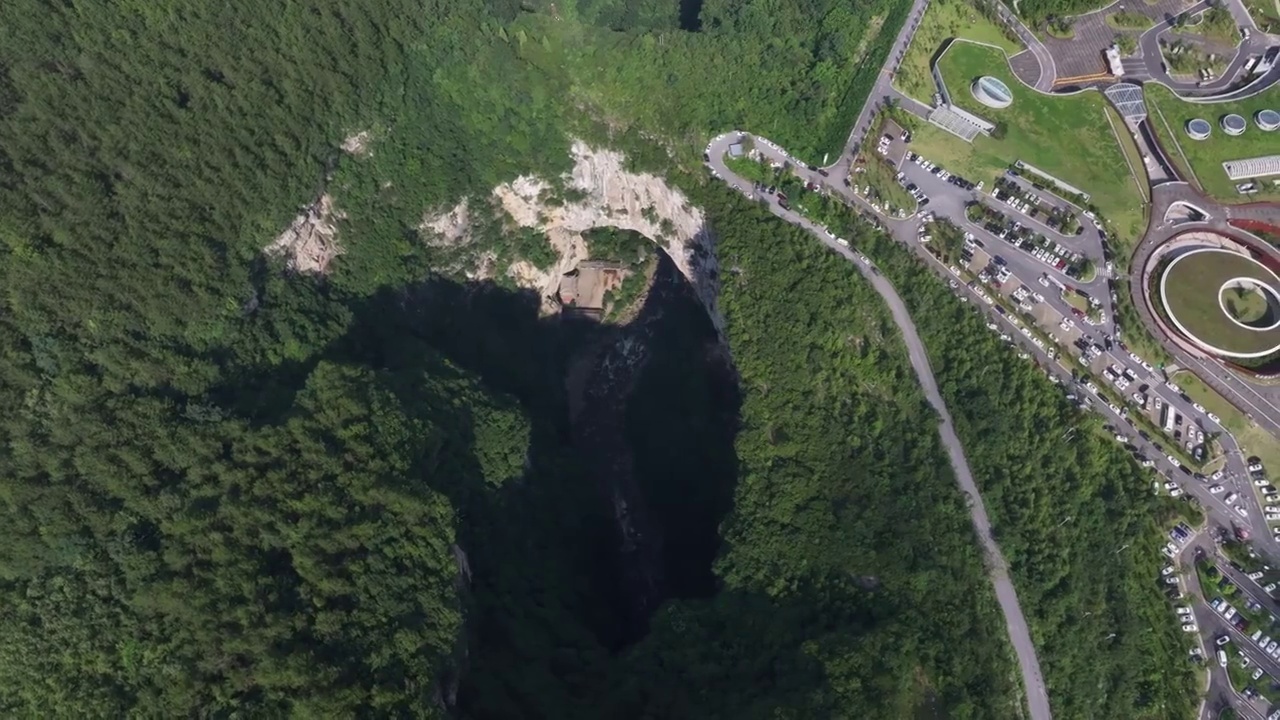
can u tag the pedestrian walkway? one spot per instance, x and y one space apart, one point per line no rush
955 123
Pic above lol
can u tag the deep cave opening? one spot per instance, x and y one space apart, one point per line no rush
691 15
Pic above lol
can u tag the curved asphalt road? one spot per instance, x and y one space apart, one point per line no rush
1218 89
997 567
1048 68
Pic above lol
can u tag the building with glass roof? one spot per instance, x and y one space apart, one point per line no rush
992 92
1199 129
1233 124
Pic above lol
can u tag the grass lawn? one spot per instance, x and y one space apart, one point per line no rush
1206 156
1253 440
1074 300
1068 137
1266 13
747 168
1137 336
1186 59
1242 677
1137 170
942 21
879 173
1215 24
1194 282
1125 20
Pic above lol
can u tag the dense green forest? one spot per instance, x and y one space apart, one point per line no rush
232 490
1072 511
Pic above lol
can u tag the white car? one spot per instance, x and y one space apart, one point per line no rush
1217 475
1255 467
1172 460
1199 408
1261 481
1215 489
1273 517
1230 498
1257 673
1176 492
1173 387
1213 418
1254 575
1148 463
1222 640
1241 511
1170 485
1190 627
1168 570
1271 508
1184 610
1147 366
1135 358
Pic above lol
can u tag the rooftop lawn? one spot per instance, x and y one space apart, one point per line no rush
1067 136
1192 284
1169 118
942 21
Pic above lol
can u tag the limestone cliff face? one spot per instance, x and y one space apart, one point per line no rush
603 194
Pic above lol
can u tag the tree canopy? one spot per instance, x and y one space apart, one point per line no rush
232 489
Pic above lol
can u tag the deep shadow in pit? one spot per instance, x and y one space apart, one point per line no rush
691 15
619 506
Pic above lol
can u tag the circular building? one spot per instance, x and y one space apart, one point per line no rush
992 92
1233 124
1223 301
1199 129
1267 120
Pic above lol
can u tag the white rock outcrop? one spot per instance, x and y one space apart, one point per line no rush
613 196
310 242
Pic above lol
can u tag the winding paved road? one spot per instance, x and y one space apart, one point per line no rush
997 567
1229 85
